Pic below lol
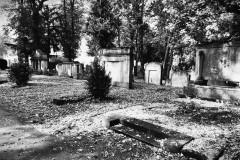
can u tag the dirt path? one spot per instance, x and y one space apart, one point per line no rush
19 142
6 119
25 142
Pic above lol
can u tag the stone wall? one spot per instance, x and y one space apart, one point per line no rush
70 69
153 73
213 92
221 61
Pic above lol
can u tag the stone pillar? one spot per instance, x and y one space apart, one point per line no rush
39 65
44 65
33 64
81 70
199 67
131 65
75 71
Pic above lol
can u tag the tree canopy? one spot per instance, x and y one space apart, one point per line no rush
40 26
156 29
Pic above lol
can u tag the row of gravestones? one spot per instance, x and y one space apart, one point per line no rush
71 69
153 74
119 64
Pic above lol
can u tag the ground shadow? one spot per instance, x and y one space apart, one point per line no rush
205 115
89 146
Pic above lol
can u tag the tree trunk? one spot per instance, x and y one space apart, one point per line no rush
167 48
136 55
132 32
141 35
169 63
26 59
72 10
119 34
36 22
73 31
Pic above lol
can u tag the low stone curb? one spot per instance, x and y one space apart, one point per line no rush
204 149
172 141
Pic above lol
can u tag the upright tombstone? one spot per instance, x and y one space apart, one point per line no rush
179 79
75 71
64 69
118 62
217 65
218 61
39 61
153 73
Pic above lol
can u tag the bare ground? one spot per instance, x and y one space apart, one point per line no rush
74 130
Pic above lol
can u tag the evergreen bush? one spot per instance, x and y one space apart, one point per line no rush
19 73
98 82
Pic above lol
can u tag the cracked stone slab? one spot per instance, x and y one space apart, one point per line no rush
204 148
171 140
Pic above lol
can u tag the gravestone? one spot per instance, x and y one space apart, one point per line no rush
179 79
153 73
118 63
75 71
39 61
64 69
218 61
217 70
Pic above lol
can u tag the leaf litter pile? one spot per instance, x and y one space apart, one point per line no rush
62 106
35 101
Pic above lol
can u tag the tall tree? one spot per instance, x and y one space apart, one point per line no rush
134 29
71 21
25 20
103 26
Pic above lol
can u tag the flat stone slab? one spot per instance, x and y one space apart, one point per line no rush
213 92
154 135
204 148
150 140
155 130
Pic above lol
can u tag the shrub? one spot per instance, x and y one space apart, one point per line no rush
98 82
19 73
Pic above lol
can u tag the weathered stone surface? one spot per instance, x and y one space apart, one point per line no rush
179 79
172 141
110 120
153 73
64 69
118 64
141 136
204 148
221 61
174 145
213 92
3 76
158 131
